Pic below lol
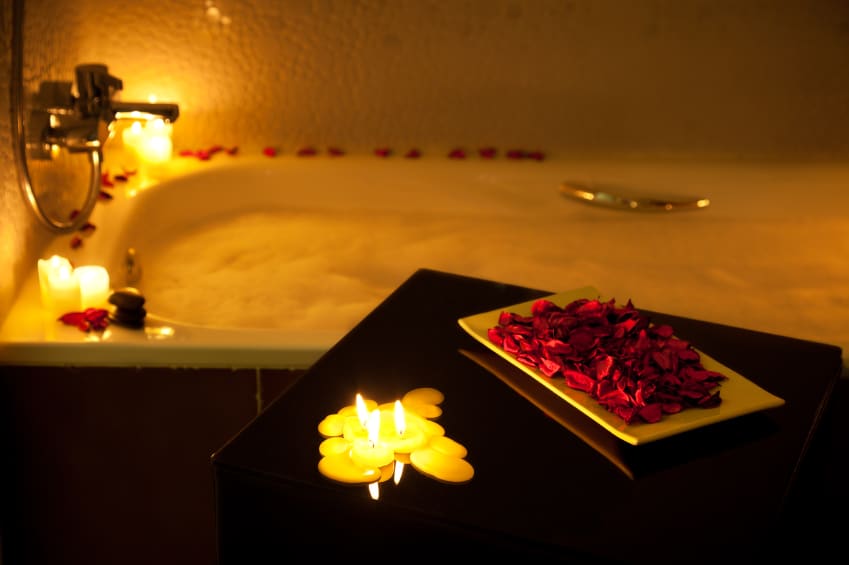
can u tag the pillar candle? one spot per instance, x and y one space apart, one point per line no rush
94 286
46 266
63 290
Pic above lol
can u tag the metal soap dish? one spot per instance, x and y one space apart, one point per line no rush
616 197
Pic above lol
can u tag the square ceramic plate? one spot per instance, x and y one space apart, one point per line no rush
739 395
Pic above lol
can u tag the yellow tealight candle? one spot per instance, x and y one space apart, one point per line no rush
366 454
94 286
331 425
341 468
429 427
352 429
371 452
448 446
440 466
424 401
401 436
334 446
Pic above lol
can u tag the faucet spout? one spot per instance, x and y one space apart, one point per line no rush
145 111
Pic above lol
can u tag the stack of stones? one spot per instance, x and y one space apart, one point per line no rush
128 307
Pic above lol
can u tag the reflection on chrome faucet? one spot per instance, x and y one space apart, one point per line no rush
80 123
83 122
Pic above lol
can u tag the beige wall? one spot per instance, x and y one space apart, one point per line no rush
737 79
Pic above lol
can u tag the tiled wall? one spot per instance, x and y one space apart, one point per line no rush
748 79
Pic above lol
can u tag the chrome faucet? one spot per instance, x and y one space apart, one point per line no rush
82 122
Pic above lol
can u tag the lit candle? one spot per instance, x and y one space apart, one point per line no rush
156 145
94 286
131 137
341 468
46 266
150 142
402 437
372 452
363 446
60 288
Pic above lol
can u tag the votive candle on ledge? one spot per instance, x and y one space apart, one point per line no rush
149 142
67 289
94 286
60 288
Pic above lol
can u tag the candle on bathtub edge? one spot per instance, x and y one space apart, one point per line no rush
150 143
156 145
46 266
371 452
63 290
94 286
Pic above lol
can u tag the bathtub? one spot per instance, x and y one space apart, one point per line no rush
267 262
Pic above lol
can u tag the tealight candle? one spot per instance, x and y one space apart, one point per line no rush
367 443
402 437
341 468
94 286
371 452
440 466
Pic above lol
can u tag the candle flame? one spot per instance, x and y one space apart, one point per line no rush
399 470
400 419
373 427
362 411
374 490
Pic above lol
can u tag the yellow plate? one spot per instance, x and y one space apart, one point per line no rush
739 395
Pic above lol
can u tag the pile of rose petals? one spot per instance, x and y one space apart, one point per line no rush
635 369
89 319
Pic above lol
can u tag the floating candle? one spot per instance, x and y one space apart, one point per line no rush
372 452
401 436
341 468
331 425
424 401
371 443
440 466
150 142
334 446
448 446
